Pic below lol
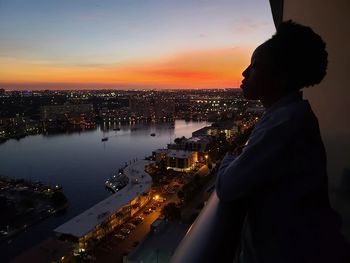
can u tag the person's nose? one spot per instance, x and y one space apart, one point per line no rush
245 73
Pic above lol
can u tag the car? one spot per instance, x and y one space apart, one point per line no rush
119 236
137 220
125 231
3 233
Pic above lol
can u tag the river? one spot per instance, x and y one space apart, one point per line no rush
81 163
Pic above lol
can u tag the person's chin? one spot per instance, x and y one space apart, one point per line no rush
246 94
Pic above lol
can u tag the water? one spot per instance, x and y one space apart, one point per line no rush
81 163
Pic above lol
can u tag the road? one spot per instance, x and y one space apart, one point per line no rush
115 248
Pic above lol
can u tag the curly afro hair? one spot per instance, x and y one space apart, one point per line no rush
300 53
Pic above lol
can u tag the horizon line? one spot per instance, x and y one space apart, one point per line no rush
61 86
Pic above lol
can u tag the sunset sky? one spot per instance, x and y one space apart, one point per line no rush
63 44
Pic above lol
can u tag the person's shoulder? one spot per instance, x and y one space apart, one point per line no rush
291 116
294 111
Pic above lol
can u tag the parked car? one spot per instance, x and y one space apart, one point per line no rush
137 220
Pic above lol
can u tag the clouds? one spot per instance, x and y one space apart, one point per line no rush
205 68
185 43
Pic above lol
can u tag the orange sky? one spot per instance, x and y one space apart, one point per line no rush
120 44
192 69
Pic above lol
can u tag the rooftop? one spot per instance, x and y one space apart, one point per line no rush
198 139
179 153
139 182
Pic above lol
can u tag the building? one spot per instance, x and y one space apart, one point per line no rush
93 224
196 144
205 131
223 127
178 160
140 106
57 111
163 108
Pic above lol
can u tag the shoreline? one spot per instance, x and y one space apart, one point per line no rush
28 202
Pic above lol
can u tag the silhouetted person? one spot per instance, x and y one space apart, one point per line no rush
282 172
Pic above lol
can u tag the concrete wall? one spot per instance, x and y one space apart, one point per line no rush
331 99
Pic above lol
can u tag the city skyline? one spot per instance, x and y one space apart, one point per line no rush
123 45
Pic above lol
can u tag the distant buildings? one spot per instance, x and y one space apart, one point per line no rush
52 111
66 116
66 110
153 107
140 106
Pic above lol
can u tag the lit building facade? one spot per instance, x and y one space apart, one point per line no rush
177 160
95 223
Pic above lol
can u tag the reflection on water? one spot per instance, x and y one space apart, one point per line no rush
81 163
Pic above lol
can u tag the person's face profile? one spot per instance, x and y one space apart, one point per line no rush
258 77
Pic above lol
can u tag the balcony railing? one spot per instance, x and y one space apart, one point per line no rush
214 235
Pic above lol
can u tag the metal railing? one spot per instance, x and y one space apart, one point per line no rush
213 237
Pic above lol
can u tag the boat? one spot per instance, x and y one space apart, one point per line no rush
117 182
153 134
104 139
116 129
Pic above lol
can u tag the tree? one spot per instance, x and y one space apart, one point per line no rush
171 211
27 202
179 140
58 199
180 194
3 203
